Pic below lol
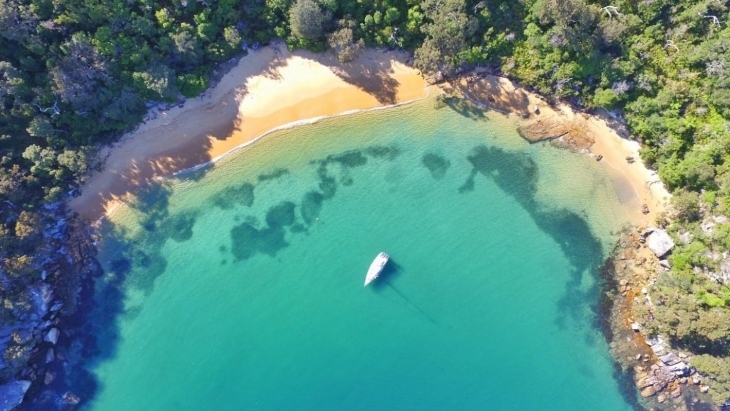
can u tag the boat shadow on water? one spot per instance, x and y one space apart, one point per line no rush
391 271
383 284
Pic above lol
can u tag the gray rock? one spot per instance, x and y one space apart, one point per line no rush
659 242
12 393
679 369
669 359
52 336
704 388
50 356
724 276
665 264
657 344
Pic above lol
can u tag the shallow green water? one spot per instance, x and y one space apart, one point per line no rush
241 285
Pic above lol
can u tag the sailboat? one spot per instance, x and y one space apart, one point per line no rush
376 267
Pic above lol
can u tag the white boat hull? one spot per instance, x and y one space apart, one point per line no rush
376 267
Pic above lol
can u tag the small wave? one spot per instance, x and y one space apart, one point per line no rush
286 126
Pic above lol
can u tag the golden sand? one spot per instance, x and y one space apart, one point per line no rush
266 89
273 87
598 134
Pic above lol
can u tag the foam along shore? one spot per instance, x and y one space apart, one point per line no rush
600 134
267 89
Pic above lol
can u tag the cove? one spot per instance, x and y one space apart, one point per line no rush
239 286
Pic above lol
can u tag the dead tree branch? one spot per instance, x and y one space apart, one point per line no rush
611 9
670 43
714 19
54 108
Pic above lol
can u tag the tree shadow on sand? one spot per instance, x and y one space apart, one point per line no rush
369 74
136 173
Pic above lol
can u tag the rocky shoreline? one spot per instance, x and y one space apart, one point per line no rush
661 375
50 342
37 339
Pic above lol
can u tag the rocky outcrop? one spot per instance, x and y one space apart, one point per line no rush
30 333
12 393
658 241
664 378
535 132
51 336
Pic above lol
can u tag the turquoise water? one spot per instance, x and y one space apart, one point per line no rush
239 287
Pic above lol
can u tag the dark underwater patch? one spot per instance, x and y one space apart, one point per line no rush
247 240
152 203
327 184
349 159
242 194
154 265
436 165
180 226
281 215
273 175
120 266
384 152
517 175
468 184
311 206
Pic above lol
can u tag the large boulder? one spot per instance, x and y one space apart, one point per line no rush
52 336
12 393
669 359
659 242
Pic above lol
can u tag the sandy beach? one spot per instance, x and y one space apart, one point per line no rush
596 134
273 87
268 88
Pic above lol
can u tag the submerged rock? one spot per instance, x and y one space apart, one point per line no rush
12 393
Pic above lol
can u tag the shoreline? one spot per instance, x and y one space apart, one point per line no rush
273 89
267 90
287 126
596 134
248 100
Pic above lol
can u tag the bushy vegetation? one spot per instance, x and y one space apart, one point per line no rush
74 73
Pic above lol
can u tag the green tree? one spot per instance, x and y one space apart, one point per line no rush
343 42
28 225
308 20
686 205
158 82
447 31
40 127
